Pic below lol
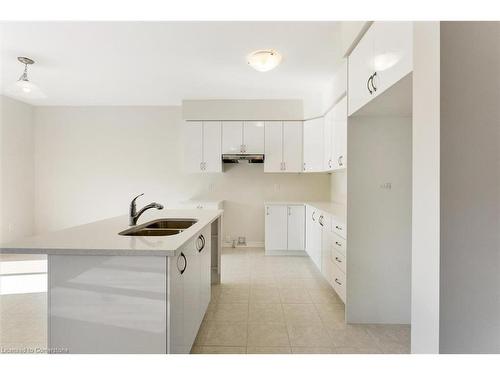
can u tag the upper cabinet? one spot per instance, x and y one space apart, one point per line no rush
335 137
283 146
382 57
313 145
242 137
202 146
339 135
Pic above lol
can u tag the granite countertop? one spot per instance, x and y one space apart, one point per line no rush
102 238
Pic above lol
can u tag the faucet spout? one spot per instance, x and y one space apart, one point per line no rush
134 214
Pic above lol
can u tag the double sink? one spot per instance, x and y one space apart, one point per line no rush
159 227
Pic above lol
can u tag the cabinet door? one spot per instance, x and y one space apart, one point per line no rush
313 145
273 161
176 306
292 146
253 137
296 228
328 141
276 227
359 72
392 53
191 282
193 146
232 137
326 256
204 251
310 224
212 158
340 135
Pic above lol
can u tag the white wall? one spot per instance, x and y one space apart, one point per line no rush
16 170
91 160
379 220
470 194
425 207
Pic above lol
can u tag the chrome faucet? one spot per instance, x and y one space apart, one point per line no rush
134 214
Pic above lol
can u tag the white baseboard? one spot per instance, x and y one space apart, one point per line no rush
249 244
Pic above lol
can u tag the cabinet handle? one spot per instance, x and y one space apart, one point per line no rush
368 84
313 215
202 246
267 210
185 263
338 259
281 166
340 160
289 211
330 163
338 244
337 281
373 82
304 166
201 166
337 227
320 220
284 166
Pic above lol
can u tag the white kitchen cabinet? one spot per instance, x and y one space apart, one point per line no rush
329 142
276 227
339 135
273 161
253 137
189 292
232 137
392 53
313 145
292 146
314 238
243 137
285 226
202 146
283 146
296 227
382 57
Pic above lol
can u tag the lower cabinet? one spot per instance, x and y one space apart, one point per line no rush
314 234
188 292
285 228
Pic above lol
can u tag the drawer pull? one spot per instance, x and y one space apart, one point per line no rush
337 227
338 259
337 281
338 243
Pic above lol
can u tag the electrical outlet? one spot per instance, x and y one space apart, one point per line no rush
386 185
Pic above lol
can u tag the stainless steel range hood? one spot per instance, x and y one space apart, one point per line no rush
243 158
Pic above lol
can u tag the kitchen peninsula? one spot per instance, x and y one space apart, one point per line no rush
131 293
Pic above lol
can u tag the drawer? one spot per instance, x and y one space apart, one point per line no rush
339 227
339 260
339 282
339 244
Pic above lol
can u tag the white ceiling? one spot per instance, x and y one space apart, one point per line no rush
162 63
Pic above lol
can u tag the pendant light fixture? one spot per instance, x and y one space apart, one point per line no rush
24 87
264 60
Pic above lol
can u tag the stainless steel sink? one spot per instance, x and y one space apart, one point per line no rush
159 227
171 223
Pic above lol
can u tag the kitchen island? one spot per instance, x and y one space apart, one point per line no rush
112 293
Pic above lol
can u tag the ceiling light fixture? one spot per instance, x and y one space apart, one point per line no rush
264 60
24 87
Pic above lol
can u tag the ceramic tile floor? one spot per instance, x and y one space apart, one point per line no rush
282 305
273 305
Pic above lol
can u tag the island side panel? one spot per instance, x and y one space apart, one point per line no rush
107 304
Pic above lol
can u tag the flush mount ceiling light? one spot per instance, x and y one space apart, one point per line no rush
264 60
24 87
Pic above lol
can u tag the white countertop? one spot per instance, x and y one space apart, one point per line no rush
335 209
102 238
